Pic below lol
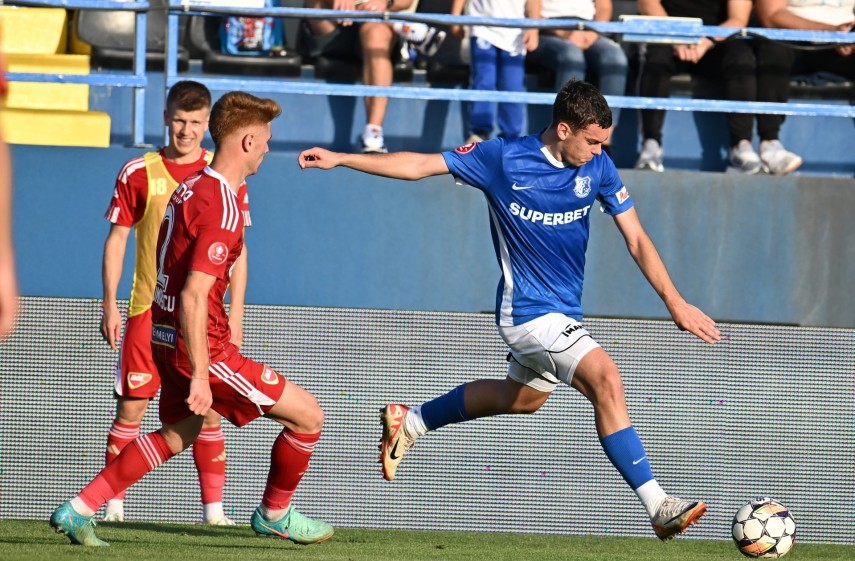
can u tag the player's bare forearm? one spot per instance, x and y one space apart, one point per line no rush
398 165
194 328
644 253
111 272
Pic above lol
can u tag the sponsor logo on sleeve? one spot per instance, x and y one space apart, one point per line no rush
466 148
622 195
269 377
138 379
218 253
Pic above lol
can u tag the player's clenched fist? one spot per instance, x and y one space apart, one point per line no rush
318 158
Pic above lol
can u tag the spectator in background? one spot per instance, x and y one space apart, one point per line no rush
730 63
379 43
778 61
8 282
498 63
583 55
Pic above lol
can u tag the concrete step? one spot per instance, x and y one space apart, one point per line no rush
32 30
42 95
56 127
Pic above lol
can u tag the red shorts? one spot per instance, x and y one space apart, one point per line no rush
136 374
243 390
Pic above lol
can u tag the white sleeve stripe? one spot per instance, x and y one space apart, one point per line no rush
230 209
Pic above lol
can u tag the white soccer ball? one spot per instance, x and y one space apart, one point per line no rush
764 528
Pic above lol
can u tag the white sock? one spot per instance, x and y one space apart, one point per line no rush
412 31
80 507
372 130
273 515
413 422
213 511
651 496
115 505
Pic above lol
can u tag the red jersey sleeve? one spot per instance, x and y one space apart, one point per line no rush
218 237
243 204
129 196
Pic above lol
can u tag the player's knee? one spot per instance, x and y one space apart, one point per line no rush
313 419
607 386
131 411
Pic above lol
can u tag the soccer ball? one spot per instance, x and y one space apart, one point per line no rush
764 528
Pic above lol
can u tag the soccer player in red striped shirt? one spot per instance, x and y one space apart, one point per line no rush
141 194
200 239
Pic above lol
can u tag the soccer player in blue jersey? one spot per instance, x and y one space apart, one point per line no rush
541 190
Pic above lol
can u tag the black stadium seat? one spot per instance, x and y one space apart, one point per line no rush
204 41
111 36
447 67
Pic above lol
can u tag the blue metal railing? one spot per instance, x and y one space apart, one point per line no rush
653 29
634 27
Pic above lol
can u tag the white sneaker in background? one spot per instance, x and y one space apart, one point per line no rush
778 159
650 157
743 159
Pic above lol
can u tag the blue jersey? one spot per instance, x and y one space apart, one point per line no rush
539 217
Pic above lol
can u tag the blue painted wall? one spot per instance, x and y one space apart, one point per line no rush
763 249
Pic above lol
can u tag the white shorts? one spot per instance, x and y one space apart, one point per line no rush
546 350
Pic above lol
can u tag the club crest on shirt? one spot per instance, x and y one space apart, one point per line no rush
622 195
466 148
269 377
217 253
582 187
138 379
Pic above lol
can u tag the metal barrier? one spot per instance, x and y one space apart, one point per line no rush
136 80
636 28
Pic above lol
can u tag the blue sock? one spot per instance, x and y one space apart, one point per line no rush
445 409
626 452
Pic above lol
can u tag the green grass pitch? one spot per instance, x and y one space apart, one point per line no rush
26 540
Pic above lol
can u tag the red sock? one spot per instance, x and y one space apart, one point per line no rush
137 459
209 453
289 460
119 436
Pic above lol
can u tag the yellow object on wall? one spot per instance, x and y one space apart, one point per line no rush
33 30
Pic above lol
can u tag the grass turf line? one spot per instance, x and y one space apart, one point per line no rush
26 540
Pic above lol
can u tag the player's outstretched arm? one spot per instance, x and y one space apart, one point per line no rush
640 246
397 165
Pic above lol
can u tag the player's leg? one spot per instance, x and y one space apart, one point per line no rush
244 390
137 381
402 425
209 455
302 419
531 378
74 518
597 378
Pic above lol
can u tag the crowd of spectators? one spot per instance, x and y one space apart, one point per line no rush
740 70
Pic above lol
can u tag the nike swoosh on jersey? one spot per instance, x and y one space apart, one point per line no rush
516 187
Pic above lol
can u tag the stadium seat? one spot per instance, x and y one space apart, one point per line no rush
110 34
450 65
204 42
